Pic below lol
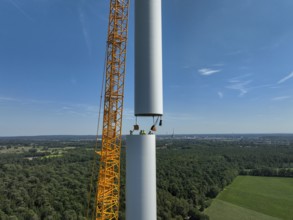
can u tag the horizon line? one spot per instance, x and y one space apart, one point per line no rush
252 133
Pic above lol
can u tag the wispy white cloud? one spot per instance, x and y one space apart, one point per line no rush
240 86
85 110
221 95
208 72
3 99
76 110
286 78
244 88
84 29
239 78
280 98
242 83
204 70
17 6
259 86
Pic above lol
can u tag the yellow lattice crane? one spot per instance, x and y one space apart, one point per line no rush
108 183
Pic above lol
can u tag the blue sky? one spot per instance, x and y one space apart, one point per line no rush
227 66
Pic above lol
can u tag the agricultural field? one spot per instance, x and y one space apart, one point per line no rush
254 198
33 152
49 178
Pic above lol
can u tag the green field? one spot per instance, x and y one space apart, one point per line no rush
254 198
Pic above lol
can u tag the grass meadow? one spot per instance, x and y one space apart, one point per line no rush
250 198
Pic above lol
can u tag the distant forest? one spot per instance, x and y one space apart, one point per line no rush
190 173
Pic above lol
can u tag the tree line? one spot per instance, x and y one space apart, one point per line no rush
190 173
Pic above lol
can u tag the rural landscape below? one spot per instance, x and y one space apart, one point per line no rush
198 177
191 102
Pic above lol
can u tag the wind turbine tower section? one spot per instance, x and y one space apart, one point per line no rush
141 191
148 58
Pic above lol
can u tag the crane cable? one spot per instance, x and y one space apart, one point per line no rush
96 145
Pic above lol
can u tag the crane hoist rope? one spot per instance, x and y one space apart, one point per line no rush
93 164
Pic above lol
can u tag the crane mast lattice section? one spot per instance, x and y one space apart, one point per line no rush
108 185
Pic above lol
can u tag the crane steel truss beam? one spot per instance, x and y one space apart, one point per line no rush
108 185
